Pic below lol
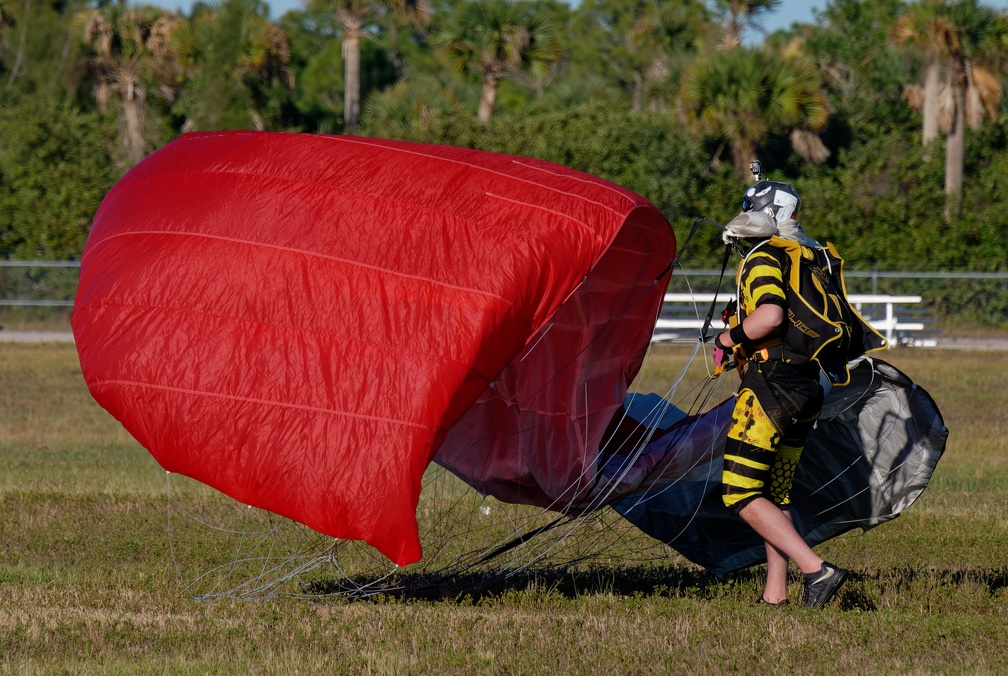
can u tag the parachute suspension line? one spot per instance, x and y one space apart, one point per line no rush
679 254
484 554
278 570
678 257
634 452
717 290
522 539
171 531
576 489
707 460
602 332
471 558
272 570
519 521
854 401
229 568
666 271
583 511
525 538
613 477
662 275
542 335
654 414
348 586
643 496
703 393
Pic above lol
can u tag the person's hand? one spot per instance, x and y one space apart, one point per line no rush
720 353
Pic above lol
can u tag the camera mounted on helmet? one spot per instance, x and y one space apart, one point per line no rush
767 206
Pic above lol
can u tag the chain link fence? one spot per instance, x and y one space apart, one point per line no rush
949 300
40 294
37 294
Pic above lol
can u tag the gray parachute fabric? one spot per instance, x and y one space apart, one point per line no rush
872 453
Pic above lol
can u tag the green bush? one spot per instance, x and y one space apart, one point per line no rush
55 168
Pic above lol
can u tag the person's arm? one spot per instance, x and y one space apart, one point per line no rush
762 285
765 321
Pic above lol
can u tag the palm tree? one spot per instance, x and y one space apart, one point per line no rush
230 52
923 28
744 95
637 40
498 39
976 35
739 15
130 57
355 16
411 104
964 37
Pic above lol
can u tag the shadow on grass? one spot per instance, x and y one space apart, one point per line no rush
646 581
909 582
474 587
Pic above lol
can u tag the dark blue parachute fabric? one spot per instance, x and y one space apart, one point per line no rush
872 453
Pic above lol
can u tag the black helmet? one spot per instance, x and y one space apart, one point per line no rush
773 197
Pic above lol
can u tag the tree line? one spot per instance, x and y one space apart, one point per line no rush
887 116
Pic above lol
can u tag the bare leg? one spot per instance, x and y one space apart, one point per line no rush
775 527
777 570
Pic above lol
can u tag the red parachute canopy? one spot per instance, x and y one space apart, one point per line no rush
301 321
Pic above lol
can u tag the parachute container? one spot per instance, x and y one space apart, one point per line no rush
302 322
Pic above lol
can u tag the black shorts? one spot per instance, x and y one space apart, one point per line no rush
777 406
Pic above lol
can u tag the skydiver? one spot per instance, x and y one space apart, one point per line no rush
777 401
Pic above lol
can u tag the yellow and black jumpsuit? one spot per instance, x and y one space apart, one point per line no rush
778 401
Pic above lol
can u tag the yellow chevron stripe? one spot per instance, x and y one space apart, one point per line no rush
739 481
747 462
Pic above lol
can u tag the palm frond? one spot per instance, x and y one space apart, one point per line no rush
988 90
913 94
809 146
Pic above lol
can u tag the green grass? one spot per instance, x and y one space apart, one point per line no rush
91 580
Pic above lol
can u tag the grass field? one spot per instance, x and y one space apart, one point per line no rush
90 580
